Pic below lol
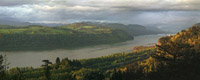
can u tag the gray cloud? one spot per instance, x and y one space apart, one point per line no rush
21 2
162 13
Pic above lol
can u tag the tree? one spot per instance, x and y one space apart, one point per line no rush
2 73
172 51
47 68
2 68
57 62
5 63
116 75
16 73
94 75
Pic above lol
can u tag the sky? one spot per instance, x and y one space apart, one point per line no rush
159 13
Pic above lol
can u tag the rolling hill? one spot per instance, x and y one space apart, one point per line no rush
36 37
132 29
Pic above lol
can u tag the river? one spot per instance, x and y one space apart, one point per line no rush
34 58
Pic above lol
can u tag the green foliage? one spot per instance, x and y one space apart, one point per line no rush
116 60
116 75
84 74
132 29
1 63
84 69
15 73
94 75
47 69
2 68
41 37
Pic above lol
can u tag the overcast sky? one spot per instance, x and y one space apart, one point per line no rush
160 13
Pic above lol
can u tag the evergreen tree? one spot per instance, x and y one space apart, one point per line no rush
47 69
172 51
2 68
94 75
57 62
117 75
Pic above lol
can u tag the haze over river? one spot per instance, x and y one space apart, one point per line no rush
34 58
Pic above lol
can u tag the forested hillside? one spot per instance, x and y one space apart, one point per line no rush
36 37
100 68
177 58
132 29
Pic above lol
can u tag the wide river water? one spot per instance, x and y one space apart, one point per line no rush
34 58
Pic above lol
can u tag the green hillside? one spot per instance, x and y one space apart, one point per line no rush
71 36
132 29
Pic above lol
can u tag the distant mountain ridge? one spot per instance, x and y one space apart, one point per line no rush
132 29
34 37
22 24
14 23
198 24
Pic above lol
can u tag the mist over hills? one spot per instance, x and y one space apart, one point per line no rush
22 24
171 27
132 29
14 23
198 24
